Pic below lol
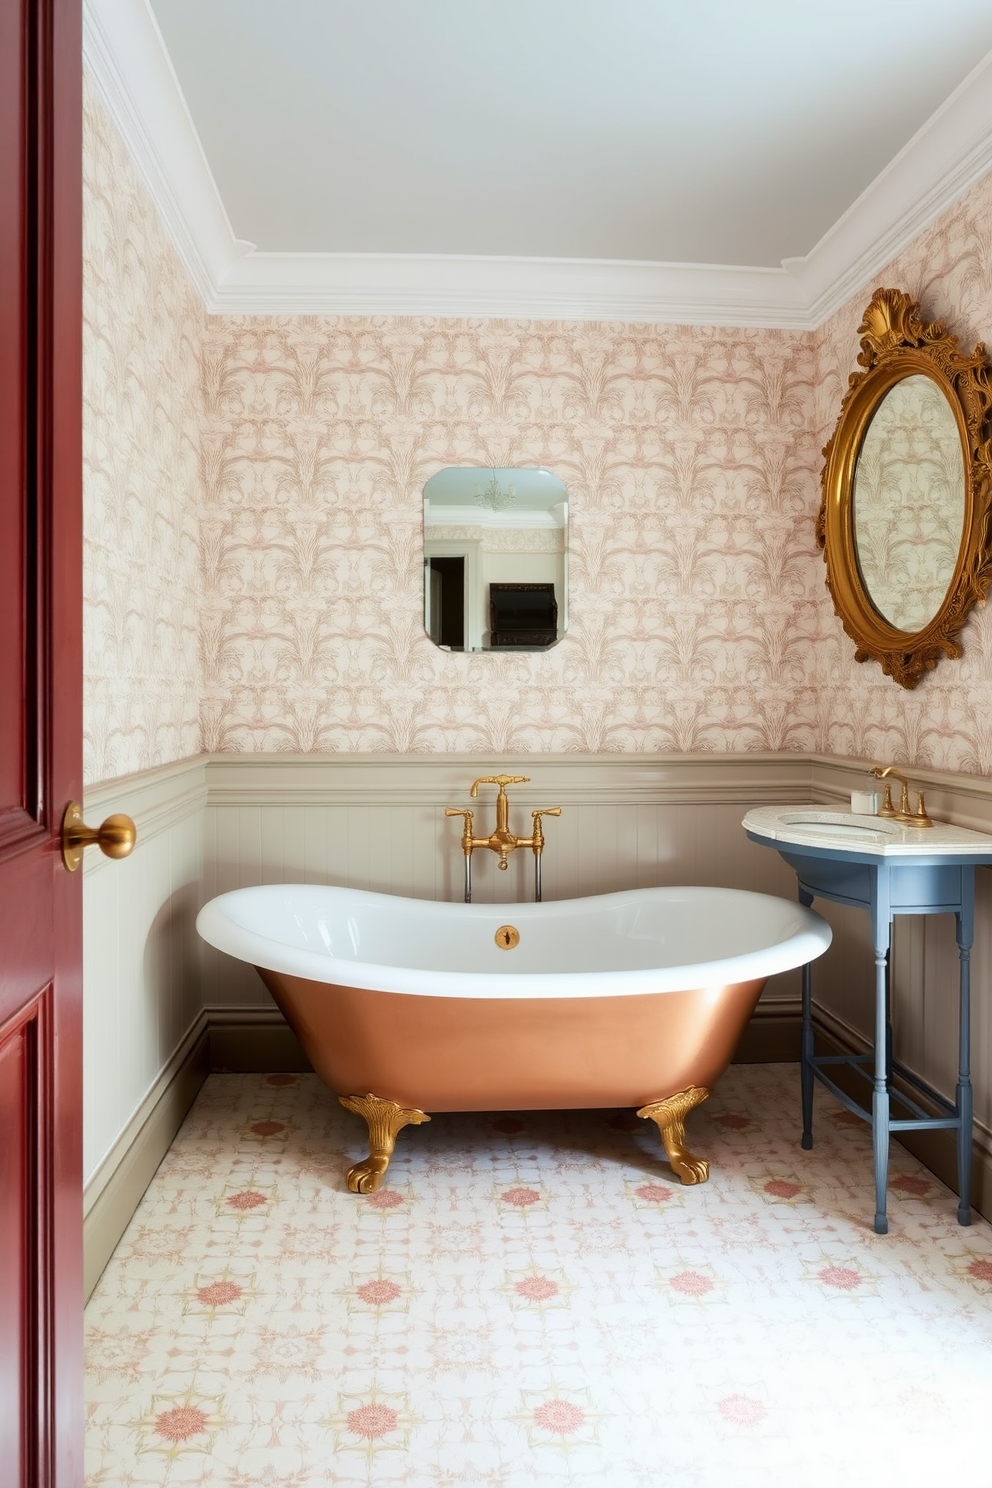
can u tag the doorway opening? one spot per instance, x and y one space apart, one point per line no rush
447 595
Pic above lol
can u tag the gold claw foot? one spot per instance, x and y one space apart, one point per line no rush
670 1116
385 1120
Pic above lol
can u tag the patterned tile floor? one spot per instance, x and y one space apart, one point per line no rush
532 1300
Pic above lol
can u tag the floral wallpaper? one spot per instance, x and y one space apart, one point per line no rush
142 331
694 581
945 723
253 521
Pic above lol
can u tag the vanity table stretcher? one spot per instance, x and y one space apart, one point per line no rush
886 886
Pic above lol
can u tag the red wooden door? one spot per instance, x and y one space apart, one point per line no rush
40 737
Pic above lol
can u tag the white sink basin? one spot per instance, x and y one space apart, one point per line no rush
832 824
813 826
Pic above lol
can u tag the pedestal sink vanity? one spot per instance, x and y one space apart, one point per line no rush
904 527
888 867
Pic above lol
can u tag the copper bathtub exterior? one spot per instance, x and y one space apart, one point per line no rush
410 1007
483 1054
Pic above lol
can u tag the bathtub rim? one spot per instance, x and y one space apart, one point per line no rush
235 939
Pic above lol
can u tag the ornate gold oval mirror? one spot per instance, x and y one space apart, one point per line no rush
907 488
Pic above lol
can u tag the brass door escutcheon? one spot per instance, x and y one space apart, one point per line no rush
506 937
115 837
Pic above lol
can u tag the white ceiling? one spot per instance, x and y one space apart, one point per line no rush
733 162
730 132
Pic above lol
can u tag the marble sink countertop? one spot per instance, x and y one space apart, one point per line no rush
819 826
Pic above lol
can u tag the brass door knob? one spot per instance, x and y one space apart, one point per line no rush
115 837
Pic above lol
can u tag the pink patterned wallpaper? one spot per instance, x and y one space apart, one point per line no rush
946 722
691 470
293 452
142 333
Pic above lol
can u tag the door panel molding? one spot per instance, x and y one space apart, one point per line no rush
26 1088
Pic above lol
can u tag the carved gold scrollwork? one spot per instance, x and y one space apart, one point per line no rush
897 343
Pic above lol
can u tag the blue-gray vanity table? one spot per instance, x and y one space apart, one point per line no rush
919 881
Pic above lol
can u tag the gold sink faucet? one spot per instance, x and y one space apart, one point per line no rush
917 818
502 841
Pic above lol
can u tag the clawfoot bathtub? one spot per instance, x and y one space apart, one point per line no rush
406 1006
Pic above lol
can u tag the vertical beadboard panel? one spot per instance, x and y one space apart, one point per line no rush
141 955
981 983
103 1056
907 980
940 1008
844 977
315 844
188 891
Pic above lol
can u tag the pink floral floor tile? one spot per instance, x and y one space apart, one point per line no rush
532 1298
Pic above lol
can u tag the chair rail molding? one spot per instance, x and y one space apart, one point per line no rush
433 779
127 60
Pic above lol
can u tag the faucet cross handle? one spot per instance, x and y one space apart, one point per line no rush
501 780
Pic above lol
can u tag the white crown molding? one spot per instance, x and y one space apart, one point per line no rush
133 74
514 288
512 517
129 66
945 157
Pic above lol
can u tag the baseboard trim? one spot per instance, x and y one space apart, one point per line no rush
248 1041
774 1034
115 1190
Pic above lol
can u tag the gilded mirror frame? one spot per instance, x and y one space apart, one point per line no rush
896 343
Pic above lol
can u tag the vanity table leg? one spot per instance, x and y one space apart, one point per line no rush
807 1046
963 1094
880 1093
806 1059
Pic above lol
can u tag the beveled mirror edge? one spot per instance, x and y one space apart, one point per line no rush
896 343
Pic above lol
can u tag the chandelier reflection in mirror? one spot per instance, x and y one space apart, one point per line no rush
495 559
494 495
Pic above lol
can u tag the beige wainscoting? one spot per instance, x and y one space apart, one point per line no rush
161 1008
144 1034
379 824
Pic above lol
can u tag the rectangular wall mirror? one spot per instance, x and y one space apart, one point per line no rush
495 559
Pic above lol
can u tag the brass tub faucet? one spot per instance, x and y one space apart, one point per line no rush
917 818
502 841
